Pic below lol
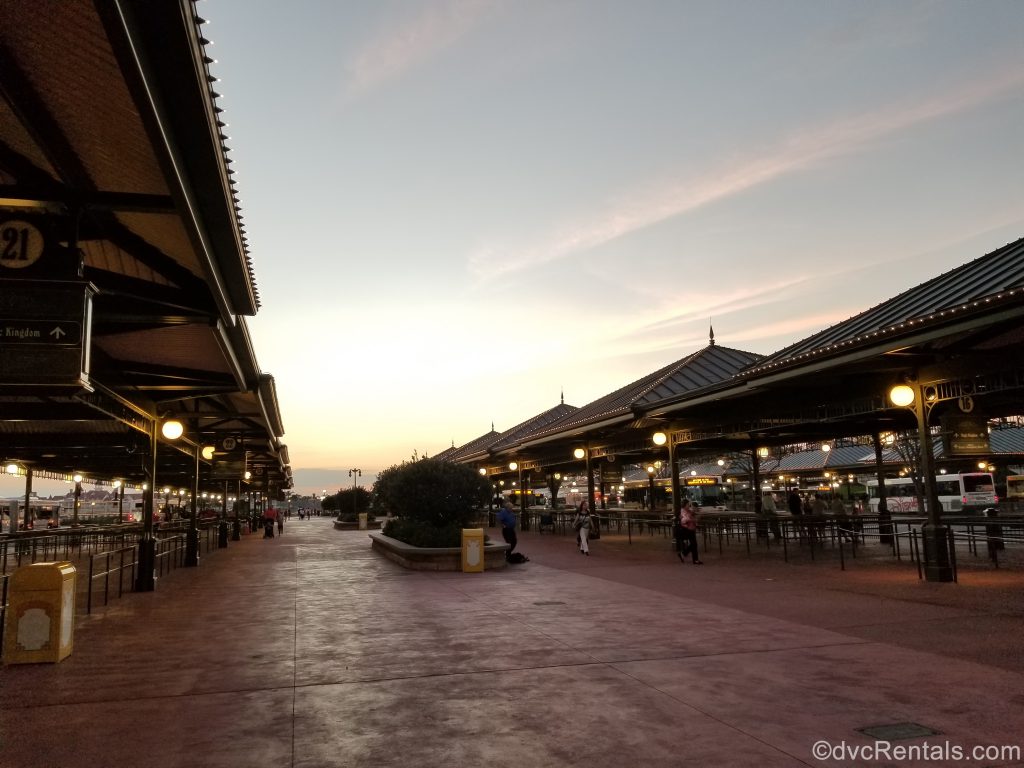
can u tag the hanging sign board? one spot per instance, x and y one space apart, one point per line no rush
45 331
964 435
611 475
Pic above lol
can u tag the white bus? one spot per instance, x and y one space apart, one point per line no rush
965 493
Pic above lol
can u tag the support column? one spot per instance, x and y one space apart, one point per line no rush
755 471
236 525
222 528
590 482
676 490
524 521
145 578
884 518
28 498
938 564
192 534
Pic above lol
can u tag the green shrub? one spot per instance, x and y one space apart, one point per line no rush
432 501
421 534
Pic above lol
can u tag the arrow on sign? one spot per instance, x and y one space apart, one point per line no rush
57 333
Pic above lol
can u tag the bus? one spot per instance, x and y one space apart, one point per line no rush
964 493
43 513
705 490
1015 487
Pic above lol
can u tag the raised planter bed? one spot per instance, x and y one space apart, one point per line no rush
372 525
435 558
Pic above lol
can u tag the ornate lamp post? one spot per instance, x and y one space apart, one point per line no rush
355 474
938 564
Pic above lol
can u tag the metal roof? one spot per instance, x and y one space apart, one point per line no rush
984 280
707 366
111 139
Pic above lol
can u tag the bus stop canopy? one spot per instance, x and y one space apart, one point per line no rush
127 277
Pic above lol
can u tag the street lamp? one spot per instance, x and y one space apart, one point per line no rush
921 400
355 474
651 472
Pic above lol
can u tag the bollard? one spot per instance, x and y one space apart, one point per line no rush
994 536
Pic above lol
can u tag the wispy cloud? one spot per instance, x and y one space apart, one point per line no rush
646 208
389 56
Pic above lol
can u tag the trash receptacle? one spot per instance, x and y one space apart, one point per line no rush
472 550
40 613
363 524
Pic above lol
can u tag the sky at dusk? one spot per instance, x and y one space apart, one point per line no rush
458 209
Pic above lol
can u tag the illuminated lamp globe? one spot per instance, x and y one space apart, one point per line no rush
77 478
208 452
558 475
483 470
650 469
826 447
12 469
513 466
579 453
901 395
659 438
172 429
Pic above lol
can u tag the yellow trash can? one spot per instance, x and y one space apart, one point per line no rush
40 613
472 550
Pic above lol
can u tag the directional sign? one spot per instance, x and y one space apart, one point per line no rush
46 332
964 435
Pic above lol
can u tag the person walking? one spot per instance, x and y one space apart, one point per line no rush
686 533
582 526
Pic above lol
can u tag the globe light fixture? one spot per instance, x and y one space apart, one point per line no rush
901 395
513 466
579 453
172 429
659 438
763 452
12 469
483 471
207 452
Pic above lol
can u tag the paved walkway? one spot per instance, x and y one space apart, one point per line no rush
310 650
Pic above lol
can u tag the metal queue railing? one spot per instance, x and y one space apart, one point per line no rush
995 538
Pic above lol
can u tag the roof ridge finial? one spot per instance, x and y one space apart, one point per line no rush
563 395
492 425
712 333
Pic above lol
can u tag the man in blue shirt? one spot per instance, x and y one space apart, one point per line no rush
507 520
